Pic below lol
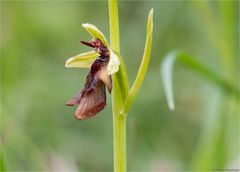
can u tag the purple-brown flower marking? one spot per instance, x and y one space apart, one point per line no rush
92 99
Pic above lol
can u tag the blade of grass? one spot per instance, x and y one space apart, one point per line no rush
218 39
195 66
166 73
211 136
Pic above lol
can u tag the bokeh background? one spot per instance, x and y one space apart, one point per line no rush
39 133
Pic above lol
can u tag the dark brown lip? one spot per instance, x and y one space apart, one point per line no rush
92 98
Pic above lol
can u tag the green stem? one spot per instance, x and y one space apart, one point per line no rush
119 121
114 24
119 129
120 160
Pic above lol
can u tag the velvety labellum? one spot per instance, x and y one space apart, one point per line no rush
92 99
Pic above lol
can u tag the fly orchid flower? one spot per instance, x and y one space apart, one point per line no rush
103 62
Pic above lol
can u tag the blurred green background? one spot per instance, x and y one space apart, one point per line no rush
39 133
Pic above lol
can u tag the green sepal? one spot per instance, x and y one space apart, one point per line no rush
83 60
95 33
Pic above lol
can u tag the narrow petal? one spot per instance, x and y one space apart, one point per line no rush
113 64
96 33
83 60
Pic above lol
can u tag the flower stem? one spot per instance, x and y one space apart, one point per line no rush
119 134
119 121
114 24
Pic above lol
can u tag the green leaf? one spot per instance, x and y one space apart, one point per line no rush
166 73
95 32
143 67
83 60
195 66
